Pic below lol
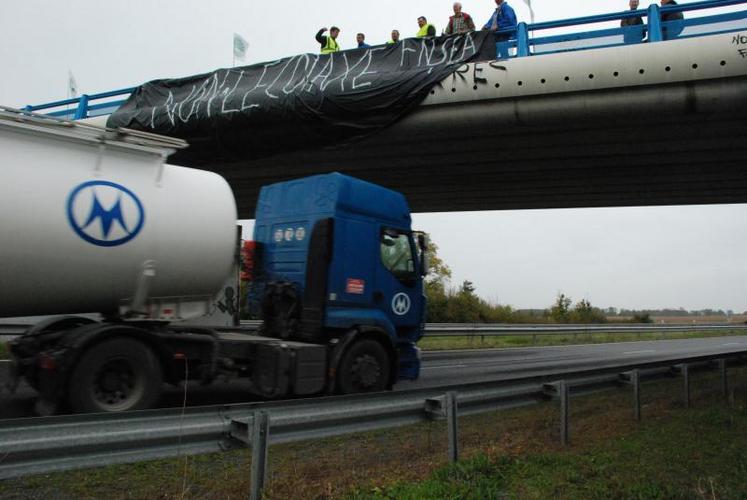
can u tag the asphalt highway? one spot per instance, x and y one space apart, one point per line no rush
448 367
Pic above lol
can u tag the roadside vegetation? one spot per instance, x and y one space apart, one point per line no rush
486 342
672 453
4 354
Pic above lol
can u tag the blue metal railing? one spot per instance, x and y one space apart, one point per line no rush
522 44
523 41
83 107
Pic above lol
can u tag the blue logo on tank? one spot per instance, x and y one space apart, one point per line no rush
105 213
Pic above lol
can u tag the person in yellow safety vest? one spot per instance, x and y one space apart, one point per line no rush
425 28
395 38
329 43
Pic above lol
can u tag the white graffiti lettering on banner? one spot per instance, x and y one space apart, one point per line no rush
222 92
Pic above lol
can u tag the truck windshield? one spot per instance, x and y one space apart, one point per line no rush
396 254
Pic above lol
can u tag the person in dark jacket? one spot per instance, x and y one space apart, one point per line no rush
329 43
633 35
503 18
361 39
673 30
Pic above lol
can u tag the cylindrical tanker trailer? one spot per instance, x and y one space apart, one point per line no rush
91 217
93 220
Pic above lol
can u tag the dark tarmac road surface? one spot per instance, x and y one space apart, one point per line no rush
446 367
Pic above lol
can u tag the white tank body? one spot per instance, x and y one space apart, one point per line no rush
83 212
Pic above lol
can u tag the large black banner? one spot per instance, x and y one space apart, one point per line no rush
298 102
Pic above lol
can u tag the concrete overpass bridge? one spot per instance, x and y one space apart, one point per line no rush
580 119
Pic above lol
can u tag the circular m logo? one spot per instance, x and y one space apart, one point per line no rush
105 213
401 304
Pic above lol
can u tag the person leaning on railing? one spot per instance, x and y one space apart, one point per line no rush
673 30
460 22
631 34
503 18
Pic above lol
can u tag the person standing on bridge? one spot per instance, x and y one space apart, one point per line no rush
361 39
503 18
631 32
395 37
426 29
460 22
329 43
668 32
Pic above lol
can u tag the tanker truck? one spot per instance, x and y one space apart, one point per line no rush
94 220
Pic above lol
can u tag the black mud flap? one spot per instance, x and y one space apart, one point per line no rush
289 368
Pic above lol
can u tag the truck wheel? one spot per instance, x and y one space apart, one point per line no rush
116 375
363 368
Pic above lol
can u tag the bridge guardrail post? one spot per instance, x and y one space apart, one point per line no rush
260 440
522 40
82 111
654 24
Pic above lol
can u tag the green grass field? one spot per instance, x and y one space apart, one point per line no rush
672 453
476 342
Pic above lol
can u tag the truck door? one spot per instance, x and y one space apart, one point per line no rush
399 291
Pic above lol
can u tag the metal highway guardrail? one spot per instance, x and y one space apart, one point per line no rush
43 445
499 330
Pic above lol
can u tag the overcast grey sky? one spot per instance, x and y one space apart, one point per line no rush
634 257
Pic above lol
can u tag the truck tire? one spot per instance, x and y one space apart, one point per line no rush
363 368
116 375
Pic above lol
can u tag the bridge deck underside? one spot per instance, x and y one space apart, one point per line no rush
663 145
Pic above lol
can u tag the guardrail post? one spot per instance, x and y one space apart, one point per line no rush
654 24
452 422
686 381
82 111
564 407
724 380
635 380
260 439
522 40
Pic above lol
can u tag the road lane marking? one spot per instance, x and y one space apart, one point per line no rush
731 343
647 351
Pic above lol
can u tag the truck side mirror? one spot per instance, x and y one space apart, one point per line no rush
425 260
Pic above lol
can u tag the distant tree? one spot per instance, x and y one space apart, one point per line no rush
559 312
467 288
435 286
642 317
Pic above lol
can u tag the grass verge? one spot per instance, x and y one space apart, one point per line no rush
4 354
673 453
477 342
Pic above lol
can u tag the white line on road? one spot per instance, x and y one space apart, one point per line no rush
647 351
731 343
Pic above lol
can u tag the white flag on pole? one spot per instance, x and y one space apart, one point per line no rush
72 85
531 10
239 46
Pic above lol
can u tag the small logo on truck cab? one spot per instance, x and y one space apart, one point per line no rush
401 304
104 213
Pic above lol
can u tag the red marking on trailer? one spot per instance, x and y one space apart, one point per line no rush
356 286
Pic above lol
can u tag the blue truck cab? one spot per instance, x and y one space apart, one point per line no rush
339 265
